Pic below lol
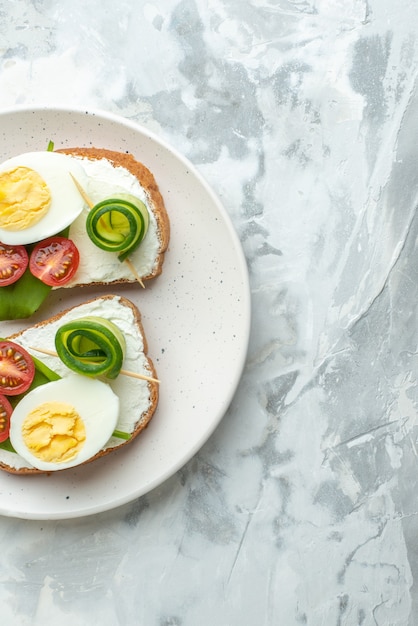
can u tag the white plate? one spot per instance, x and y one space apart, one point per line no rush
196 317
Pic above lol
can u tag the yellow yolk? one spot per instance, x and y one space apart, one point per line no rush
54 432
24 198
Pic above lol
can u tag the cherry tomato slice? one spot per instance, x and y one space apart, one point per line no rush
13 262
6 410
54 260
17 369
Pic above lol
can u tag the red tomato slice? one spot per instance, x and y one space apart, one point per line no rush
54 261
17 369
6 410
13 262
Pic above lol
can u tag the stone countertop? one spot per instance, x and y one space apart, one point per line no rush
302 507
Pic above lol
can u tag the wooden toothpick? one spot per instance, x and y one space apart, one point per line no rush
82 192
90 204
123 372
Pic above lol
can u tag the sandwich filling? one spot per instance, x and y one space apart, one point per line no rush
99 266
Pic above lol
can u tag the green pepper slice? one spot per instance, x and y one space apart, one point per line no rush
118 224
92 346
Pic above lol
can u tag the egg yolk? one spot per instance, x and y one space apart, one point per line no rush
54 432
24 198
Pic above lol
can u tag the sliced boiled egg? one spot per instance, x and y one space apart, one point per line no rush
38 197
64 423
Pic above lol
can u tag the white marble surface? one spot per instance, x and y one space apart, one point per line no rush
302 507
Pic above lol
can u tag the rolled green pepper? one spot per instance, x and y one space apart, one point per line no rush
118 224
92 346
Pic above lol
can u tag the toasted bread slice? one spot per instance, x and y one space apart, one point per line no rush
138 397
110 173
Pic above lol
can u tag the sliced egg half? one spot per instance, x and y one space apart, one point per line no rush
38 197
64 423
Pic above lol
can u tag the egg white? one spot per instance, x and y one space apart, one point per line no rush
95 402
66 202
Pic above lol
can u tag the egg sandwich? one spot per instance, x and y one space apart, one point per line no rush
76 217
89 387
